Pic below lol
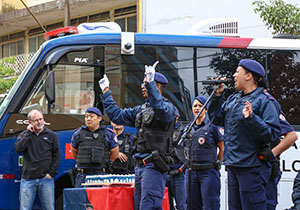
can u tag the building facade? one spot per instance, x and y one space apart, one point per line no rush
21 34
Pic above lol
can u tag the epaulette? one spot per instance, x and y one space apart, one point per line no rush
111 130
268 95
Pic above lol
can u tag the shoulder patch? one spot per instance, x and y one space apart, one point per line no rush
109 129
282 117
221 130
116 139
268 95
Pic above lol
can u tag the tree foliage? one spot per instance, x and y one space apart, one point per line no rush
7 74
280 17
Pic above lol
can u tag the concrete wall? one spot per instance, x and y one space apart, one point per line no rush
11 4
31 3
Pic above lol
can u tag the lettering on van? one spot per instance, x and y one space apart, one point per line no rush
80 60
295 166
25 122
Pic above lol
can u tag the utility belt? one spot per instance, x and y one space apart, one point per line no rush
155 158
90 171
196 166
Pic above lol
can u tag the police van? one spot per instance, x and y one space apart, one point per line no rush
62 78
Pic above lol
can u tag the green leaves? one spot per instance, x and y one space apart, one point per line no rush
7 74
279 16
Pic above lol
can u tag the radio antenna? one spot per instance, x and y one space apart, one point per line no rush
34 16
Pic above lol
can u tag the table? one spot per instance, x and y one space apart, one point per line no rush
103 198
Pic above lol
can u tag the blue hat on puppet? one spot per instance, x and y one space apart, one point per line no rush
201 99
160 78
253 66
94 110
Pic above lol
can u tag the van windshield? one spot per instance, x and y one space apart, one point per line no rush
6 100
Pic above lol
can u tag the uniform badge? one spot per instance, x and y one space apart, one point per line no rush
282 117
95 135
175 137
221 130
120 142
201 140
116 139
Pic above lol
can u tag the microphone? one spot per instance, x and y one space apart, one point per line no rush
216 82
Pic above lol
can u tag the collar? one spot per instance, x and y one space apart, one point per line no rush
84 127
203 123
252 93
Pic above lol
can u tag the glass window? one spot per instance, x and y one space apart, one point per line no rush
121 23
73 91
41 40
13 49
6 50
32 44
175 63
20 45
131 24
35 43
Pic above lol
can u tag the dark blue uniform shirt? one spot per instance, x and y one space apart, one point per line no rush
163 110
284 124
245 136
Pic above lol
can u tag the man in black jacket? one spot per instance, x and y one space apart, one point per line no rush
40 147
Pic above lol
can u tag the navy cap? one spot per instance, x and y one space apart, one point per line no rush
201 99
160 78
94 110
253 66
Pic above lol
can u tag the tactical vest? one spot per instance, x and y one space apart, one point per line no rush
92 151
151 135
203 151
178 149
124 147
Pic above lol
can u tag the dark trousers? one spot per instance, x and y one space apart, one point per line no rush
176 187
247 187
149 187
272 200
205 189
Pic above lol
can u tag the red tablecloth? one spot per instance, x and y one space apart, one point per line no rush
104 198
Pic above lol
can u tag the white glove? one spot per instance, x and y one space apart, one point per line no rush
150 71
104 82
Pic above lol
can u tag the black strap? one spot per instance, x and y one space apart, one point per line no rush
90 170
202 166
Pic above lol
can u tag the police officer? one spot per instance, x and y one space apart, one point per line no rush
93 147
273 152
205 161
154 121
124 164
175 178
250 120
